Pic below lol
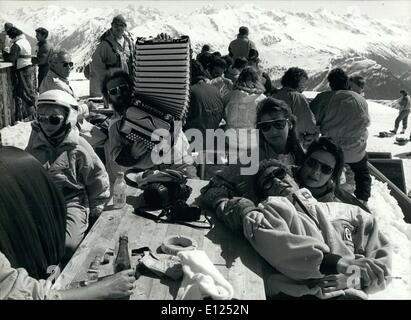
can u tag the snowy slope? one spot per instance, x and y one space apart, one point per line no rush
384 206
309 40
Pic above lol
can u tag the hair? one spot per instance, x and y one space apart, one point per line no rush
293 146
240 63
14 32
217 54
243 31
405 93
338 79
358 80
32 214
292 77
264 165
43 31
57 55
205 48
114 74
328 145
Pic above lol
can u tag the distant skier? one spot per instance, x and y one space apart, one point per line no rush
241 46
405 104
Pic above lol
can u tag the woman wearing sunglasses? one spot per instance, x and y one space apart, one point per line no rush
71 162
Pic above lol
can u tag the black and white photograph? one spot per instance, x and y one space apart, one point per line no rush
205 151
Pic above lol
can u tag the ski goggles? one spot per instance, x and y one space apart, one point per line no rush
277 124
53 119
68 64
279 173
314 163
119 89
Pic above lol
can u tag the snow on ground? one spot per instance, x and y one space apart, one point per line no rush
381 203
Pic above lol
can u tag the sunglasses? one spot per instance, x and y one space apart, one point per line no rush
277 124
54 119
68 64
314 163
119 89
279 173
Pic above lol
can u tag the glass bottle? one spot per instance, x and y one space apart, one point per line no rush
122 261
119 191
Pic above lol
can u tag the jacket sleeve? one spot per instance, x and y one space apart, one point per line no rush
42 55
16 284
95 178
234 212
292 245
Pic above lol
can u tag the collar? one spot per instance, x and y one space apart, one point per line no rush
55 75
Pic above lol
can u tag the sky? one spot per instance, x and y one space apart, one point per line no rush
376 9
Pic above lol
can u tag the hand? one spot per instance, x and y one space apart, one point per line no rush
333 282
370 269
138 149
118 285
253 221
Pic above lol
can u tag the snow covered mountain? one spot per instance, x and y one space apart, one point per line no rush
378 49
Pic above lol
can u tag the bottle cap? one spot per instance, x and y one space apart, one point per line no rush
120 174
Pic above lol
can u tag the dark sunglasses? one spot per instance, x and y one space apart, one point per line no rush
314 163
279 173
54 119
119 89
68 64
278 124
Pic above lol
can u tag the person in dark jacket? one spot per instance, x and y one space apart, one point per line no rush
42 54
241 46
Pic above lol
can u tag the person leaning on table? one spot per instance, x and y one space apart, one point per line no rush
32 235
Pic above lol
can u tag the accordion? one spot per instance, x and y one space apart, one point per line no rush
161 74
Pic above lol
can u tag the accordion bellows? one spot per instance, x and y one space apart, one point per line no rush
161 84
161 74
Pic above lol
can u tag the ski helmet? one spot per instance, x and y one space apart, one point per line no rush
61 98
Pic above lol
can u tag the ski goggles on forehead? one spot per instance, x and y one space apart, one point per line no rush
116 90
277 124
54 119
314 163
279 173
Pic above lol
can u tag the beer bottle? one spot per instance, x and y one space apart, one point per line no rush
119 191
122 261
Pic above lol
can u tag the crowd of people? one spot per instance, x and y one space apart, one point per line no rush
293 211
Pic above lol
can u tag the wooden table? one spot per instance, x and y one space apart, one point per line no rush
232 255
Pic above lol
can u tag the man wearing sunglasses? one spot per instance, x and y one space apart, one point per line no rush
60 67
114 50
71 162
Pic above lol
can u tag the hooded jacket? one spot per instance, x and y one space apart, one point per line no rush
74 167
343 116
303 248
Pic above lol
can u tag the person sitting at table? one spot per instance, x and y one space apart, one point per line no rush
117 90
320 173
71 162
32 235
317 250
